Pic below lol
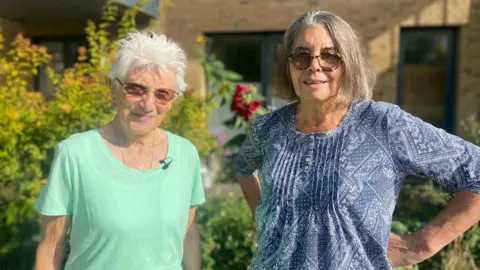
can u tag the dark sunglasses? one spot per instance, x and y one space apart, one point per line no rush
328 60
162 95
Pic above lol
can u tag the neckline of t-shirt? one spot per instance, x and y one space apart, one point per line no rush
118 164
343 123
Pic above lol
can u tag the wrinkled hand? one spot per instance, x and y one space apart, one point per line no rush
405 250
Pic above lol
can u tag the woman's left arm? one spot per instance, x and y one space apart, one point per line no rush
461 213
422 149
191 217
192 256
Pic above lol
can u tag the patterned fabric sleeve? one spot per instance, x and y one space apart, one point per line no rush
424 150
250 156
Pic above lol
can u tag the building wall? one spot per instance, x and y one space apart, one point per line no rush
10 29
54 28
468 91
377 22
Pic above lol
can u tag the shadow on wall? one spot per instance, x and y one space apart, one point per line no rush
383 36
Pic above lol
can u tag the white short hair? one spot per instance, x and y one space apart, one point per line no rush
150 50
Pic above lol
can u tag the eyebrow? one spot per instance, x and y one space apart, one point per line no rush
301 49
306 49
331 48
146 87
136 84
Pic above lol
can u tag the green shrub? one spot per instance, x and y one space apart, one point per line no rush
227 233
188 118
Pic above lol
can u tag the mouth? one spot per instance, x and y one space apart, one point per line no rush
314 82
142 117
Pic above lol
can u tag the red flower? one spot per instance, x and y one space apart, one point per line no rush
240 106
240 89
253 106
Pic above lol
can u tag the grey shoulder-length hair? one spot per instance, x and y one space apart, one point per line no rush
358 78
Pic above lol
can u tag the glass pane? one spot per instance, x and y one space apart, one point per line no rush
239 53
276 102
424 75
426 49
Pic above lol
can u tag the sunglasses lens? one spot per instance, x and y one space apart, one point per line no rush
302 60
134 90
164 95
330 61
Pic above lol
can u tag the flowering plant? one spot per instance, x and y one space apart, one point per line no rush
246 104
244 100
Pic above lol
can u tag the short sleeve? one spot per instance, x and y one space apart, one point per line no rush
198 195
250 156
421 149
56 196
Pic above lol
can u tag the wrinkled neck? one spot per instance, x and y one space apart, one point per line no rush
319 117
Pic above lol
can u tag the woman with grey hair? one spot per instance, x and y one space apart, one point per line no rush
126 191
331 163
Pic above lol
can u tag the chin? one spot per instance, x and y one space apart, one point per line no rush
317 94
142 128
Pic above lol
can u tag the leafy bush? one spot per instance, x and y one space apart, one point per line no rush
188 118
227 233
22 114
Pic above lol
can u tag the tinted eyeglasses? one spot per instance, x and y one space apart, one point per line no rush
329 60
136 91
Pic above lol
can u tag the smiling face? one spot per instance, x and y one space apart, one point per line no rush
143 99
319 81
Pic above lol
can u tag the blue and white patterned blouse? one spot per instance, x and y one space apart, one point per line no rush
327 199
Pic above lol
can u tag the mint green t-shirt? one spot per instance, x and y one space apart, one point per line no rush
122 218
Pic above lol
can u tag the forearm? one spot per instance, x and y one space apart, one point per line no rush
51 249
251 191
461 213
191 219
48 257
192 253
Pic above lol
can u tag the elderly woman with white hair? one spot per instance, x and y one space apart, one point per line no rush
331 163
127 191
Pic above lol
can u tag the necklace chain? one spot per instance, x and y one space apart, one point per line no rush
139 166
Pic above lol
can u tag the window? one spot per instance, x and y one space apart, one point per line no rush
64 52
252 55
426 74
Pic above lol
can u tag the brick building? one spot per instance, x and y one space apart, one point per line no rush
425 52
59 25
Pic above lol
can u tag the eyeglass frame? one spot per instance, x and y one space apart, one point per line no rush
331 52
175 93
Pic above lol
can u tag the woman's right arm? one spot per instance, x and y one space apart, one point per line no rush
248 160
251 190
51 249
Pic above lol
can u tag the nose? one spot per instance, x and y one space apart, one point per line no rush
315 64
148 102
